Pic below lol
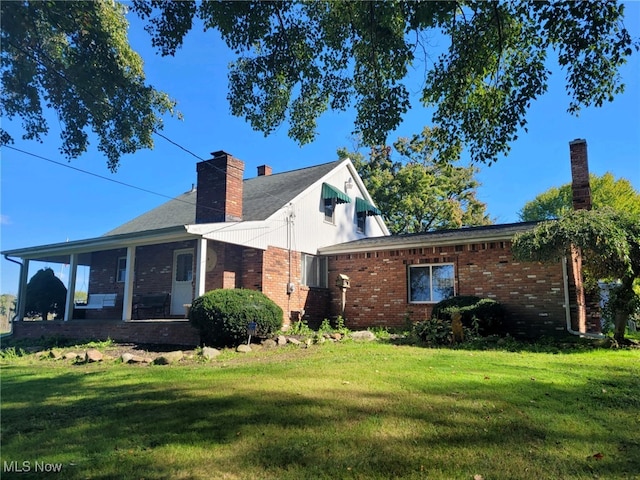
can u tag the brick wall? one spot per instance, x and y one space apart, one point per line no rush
142 332
531 293
153 274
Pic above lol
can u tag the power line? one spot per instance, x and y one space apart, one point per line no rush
98 175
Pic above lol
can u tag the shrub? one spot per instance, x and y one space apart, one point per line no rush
485 314
222 316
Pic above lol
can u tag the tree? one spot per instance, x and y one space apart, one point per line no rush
418 193
297 59
45 294
75 58
606 191
610 244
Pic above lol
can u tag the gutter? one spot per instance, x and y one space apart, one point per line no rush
19 299
567 308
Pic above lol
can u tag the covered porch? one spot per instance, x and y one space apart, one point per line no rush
130 275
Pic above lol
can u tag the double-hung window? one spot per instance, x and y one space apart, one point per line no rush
430 283
315 271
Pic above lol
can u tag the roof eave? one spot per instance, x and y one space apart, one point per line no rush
110 242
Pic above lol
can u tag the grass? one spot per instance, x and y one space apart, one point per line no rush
344 410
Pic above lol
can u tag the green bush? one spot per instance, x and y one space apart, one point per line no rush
222 316
484 314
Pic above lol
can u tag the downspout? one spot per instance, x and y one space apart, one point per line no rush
567 308
19 299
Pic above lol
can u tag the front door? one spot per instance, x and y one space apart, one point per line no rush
182 287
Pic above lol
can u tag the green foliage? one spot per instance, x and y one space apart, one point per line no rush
222 316
75 58
609 242
434 331
419 193
45 294
606 191
296 60
482 315
300 328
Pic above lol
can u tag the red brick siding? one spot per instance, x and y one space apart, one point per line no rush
153 274
531 293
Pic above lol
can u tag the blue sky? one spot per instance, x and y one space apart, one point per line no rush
43 203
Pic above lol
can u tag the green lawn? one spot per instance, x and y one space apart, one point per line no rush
345 410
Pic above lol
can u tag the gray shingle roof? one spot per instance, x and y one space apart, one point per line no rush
262 197
439 237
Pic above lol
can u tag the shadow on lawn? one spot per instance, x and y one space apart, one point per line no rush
142 427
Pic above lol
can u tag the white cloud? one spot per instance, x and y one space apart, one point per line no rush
5 220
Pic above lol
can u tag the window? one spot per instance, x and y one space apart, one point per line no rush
314 271
361 222
121 270
184 267
430 283
329 210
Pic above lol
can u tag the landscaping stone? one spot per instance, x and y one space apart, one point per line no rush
281 340
243 348
294 340
93 355
336 336
71 355
363 336
169 357
269 343
131 358
209 353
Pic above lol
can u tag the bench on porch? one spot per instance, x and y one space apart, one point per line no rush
155 304
98 301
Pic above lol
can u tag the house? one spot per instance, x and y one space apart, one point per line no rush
261 233
398 279
312 240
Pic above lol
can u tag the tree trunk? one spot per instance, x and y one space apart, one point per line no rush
620 321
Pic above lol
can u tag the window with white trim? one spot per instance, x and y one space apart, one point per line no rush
315 271
329 210
121 269
431 283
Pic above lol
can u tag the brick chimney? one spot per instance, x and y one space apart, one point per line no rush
264 170
580 175
219 194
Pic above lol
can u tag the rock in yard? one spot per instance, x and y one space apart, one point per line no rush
242 348
130 358
281 340
71 355
169 357
294 340
209 353
268 343
363 336
92 355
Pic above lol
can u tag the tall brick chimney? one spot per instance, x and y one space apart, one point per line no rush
219 194
581 192
264 170
580 175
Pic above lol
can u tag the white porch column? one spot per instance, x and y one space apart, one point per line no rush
127 301
22 290
71 289
201 266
